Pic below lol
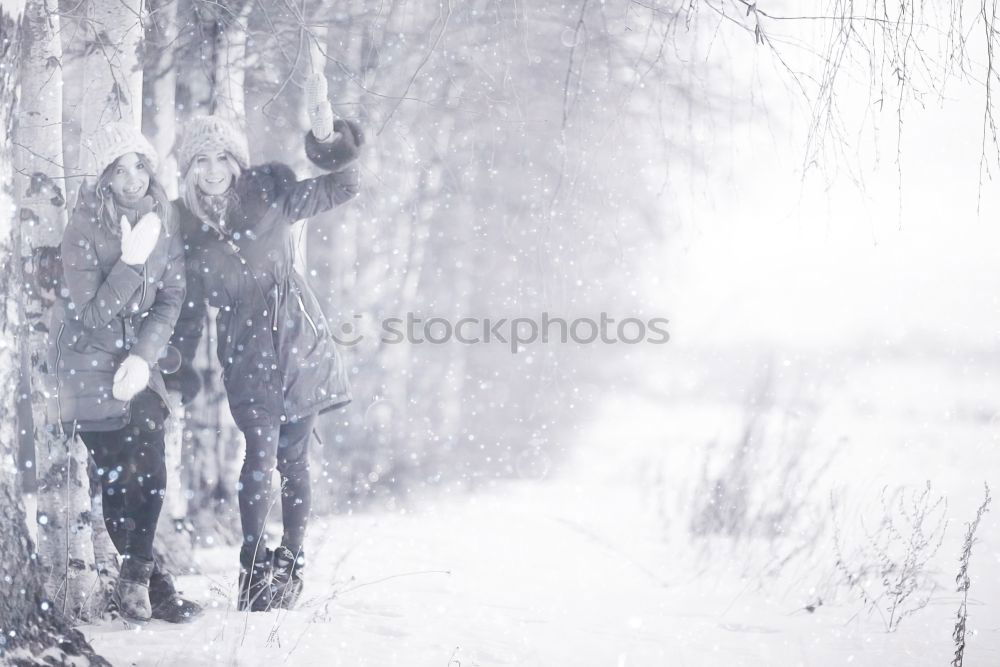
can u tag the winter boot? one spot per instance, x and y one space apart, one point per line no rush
166 602
286 577
132 592
255 583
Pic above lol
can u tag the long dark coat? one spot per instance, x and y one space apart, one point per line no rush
279 358
106 310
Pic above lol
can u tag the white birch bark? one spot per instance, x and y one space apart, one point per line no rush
229 96
112 92
113 85
300 230
173 545
21 591
65 531
212 444
159 122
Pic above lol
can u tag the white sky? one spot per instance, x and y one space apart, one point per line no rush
766 257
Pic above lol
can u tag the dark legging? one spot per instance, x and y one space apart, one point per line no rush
133 474
287 449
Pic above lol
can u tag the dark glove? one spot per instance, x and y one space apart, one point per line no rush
340 153
350 133
185 381
48 268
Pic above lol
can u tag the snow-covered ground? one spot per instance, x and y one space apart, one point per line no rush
595 565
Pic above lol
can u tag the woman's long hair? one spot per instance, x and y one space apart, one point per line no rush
209 208
107 209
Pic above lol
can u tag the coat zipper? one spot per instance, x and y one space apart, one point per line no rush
305 312
274 310
142 298
128 404
253 274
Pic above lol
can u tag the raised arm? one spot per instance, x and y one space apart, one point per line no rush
306 198
309 197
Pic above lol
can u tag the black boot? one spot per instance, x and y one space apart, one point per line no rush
255 583
286 577
167 604
132 592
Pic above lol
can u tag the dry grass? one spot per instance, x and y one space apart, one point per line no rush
758 489
890 568
964 582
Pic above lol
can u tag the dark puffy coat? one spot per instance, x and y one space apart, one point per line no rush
279 359
106 310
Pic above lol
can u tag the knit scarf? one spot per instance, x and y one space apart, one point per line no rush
216 207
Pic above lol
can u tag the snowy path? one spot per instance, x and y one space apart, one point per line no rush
574 570
497 580
520 578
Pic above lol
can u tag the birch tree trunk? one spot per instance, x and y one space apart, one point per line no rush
212 442
29 624
300 229
174 543
193 66
229 95
173 546
65 532
112 92
345 41
113 88
228 101
212 452
159 120
201 433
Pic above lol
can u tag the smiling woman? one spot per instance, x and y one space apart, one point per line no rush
128 178
214 173
124 283
281 365
211 176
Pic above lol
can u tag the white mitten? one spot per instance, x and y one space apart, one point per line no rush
319 109
138 242
131 378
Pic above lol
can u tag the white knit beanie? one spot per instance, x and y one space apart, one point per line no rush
207 134
115 139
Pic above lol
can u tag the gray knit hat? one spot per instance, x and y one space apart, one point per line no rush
115 139
206 134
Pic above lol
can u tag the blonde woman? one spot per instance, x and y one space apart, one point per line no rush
123 266
281 366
